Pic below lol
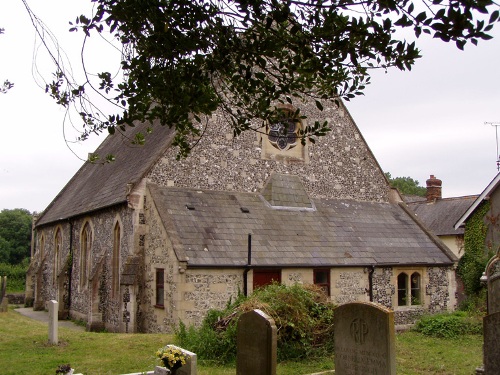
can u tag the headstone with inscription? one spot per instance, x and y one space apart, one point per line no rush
256 344
364 340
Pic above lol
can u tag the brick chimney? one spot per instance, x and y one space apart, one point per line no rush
433 188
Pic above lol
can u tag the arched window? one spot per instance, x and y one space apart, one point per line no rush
409 289
57 254
115 261
85 248
415 289
402 289
42 245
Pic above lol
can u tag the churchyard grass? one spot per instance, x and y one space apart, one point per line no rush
24 349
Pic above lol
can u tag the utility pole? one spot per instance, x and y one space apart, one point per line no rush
496 124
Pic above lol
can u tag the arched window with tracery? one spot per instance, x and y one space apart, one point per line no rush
115 262
85 249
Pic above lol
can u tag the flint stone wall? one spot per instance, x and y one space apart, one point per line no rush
338 165
102 224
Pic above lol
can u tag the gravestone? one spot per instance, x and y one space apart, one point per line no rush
491 322
364 340
4 301
53 322
491 346
191 362
256 345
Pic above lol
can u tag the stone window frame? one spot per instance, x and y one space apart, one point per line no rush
58 243
86 242
116 258
413 296
271 152
159 287
326 286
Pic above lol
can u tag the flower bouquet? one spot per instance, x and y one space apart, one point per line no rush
171 357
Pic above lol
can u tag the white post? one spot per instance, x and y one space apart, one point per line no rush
53 322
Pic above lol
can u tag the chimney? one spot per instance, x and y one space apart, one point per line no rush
433 189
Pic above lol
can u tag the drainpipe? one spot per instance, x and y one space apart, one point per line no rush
247 267
371 270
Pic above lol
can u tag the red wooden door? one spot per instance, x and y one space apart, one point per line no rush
262 278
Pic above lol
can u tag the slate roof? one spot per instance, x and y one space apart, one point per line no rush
441 215
96 186
492 186
210 228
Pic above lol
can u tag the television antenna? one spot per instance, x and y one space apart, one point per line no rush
496 124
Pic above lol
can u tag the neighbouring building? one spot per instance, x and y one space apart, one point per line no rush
440 214
487 204
142 243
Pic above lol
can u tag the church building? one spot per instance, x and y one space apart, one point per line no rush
147 241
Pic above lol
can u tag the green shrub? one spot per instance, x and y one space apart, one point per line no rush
16 275
449 325
302 314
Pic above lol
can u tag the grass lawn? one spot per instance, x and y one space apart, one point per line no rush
24 350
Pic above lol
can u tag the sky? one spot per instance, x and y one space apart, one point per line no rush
430 120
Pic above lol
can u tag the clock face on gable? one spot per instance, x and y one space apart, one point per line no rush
283 134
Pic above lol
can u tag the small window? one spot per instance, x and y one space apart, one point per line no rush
160 287
85 249
409 289
57 253
402 288
116 260
42 245
415 289
322 279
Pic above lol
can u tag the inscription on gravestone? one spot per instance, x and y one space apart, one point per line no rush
256 344
364 340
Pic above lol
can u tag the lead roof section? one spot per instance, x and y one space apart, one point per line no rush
441 215
99 185
209 228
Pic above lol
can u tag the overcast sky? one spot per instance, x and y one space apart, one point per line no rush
426 121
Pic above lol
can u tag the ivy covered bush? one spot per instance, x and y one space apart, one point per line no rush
302 313
476 255
449 325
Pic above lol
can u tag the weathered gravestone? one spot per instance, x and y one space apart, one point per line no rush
4 302
191 362
364 340
53 322
256 344
491 322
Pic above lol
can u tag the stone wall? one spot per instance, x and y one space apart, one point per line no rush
383 286
339 165
349 285
102 224
158 253
440 289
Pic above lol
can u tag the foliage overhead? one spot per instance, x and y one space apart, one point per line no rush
406 185
184 59
6 86
15 235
